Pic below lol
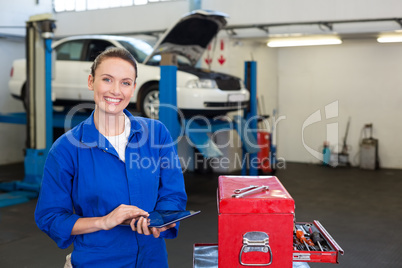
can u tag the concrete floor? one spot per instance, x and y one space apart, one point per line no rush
361 209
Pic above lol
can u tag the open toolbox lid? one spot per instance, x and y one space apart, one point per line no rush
275 200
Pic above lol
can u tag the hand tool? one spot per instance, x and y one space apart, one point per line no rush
297 244
252 191
303 239
315 236
238 191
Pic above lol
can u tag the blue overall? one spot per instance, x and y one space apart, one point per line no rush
84 177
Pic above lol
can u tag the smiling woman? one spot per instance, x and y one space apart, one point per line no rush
91 197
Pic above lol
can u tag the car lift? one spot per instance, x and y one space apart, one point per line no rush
39 116
199 130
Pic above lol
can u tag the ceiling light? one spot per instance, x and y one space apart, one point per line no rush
304 41
389 38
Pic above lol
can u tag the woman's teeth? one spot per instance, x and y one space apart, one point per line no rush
112 100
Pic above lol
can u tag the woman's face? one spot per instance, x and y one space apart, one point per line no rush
113 85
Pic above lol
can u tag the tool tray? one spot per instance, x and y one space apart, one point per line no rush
206 255
328 252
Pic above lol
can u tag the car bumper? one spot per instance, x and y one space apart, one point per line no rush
212 99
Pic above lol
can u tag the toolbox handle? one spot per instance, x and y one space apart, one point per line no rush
255 241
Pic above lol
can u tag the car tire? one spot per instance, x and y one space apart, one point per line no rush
24 97
149 102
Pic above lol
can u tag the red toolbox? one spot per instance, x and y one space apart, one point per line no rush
256 226
257 229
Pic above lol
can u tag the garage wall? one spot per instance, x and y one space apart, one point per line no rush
13 136
14 13
360 79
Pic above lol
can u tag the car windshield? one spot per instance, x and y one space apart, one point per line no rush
141 49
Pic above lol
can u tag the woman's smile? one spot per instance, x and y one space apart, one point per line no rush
112 100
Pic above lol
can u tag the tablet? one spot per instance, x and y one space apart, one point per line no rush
161 218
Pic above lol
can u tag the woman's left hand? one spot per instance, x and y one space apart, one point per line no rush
142 227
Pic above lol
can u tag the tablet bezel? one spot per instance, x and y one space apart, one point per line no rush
192 213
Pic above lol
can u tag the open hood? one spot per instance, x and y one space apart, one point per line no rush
191 35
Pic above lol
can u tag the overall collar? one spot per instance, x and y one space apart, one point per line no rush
93 138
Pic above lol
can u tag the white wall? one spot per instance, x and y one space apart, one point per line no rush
364 77
12 137
14 13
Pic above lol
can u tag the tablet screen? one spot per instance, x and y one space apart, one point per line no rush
160 218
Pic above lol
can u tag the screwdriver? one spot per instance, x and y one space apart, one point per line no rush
315 236
297 244
307 236
303 239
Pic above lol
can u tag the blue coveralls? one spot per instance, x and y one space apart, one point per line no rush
84 177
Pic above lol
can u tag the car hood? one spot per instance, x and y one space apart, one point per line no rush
191 35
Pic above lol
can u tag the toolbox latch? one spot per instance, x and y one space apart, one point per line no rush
255 241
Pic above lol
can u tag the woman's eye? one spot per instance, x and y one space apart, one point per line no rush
107 79
126 83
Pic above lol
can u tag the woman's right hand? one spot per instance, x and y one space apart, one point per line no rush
123 214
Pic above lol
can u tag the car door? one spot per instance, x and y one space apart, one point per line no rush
69 79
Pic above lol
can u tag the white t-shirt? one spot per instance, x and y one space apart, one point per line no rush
119 142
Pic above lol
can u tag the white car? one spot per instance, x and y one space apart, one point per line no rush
198 91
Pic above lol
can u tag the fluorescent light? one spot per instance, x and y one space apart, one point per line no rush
304 41
389 39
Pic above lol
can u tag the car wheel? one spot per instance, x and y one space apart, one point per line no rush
24 97
149 106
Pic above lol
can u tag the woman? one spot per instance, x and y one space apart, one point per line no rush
102 177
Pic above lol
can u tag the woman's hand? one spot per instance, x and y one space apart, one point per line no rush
142 227
122 214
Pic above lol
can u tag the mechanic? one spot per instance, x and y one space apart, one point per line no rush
93 196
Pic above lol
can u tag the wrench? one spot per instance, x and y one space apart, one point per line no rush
238 191
252 191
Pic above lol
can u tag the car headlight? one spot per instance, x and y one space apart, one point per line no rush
201 83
